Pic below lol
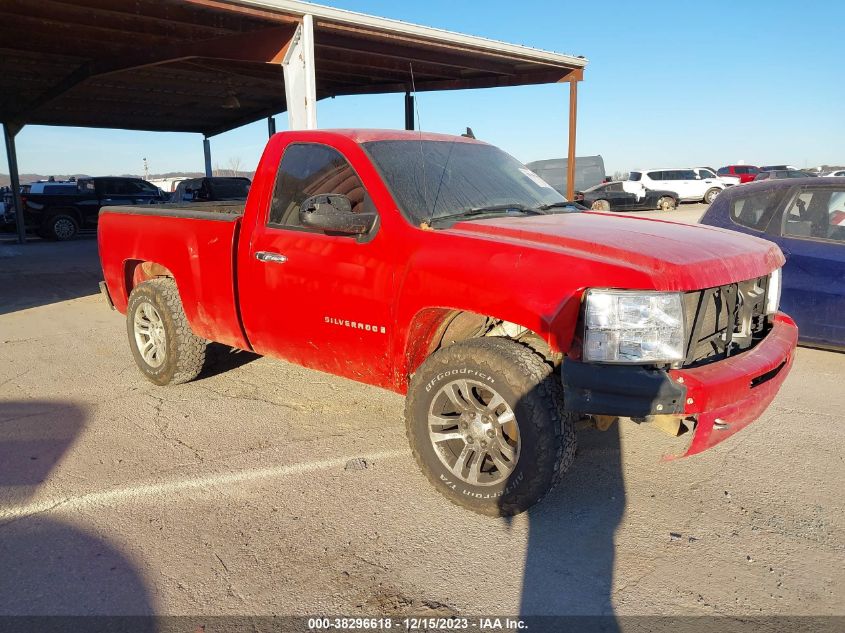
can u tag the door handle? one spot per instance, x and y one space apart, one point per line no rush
275 258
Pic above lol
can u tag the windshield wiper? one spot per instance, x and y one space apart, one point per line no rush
491 209
561 205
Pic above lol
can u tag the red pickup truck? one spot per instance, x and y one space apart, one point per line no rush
441 268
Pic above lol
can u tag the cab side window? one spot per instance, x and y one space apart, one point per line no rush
307 170
108 187
816 214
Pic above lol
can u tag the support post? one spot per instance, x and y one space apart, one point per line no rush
409 111
570 161
271 125
206 149
300 77
9 133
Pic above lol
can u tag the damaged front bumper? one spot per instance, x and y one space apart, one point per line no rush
718 399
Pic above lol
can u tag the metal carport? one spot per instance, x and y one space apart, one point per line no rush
209 66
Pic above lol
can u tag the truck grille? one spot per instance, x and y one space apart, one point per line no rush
725 320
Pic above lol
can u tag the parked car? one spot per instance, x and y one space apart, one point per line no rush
708 172
777 168
782 173
839 173
440 267
806 218
612 196
57 210
211 189
685 183
745 173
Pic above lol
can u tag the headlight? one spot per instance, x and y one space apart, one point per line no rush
773 294
633 327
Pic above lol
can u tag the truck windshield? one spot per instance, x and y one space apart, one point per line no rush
436 179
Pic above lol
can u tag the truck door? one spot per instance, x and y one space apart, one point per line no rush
323 301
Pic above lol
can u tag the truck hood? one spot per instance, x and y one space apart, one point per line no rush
674 256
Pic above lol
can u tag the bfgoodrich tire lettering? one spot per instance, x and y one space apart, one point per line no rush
541 452
182 352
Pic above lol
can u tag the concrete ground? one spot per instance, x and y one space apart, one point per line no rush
264 488
687 212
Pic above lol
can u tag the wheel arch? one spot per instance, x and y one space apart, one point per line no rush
137 271
435 328
52 212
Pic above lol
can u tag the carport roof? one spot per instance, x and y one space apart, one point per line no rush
208 66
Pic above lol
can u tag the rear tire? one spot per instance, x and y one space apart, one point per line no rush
600 205
711 194
165 349
61 227
485 424
667 203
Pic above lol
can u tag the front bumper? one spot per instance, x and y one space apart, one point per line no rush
723 397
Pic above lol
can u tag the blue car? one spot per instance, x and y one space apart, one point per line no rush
806 218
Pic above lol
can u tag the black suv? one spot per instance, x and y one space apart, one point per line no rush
57 210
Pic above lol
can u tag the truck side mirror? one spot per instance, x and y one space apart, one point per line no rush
332 212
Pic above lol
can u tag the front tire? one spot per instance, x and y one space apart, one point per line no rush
165 349
485 424
711 194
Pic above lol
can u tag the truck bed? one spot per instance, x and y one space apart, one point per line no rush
196 242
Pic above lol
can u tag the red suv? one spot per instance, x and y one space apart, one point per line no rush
745 173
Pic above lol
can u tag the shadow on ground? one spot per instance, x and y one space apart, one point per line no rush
40 273
571 550
50 567
222 358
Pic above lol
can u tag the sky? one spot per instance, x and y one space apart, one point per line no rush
668 84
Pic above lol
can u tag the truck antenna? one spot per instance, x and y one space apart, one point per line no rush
424 224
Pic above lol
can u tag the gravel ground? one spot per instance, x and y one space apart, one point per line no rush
265 488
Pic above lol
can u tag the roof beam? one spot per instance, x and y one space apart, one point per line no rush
407 53
542 77
264 46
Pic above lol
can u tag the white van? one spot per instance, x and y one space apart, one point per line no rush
685 182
